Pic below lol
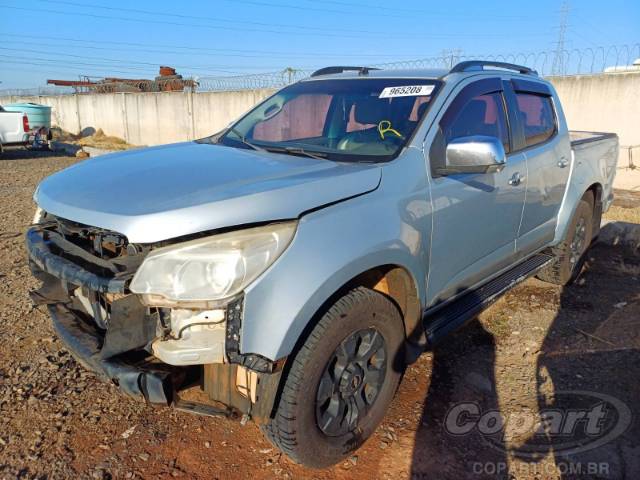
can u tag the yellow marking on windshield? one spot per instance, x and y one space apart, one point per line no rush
385 127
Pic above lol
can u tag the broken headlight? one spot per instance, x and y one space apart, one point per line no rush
200 272
38 216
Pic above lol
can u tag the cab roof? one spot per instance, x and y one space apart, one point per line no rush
422 73
468 66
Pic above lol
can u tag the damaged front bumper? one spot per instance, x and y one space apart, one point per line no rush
109 331
154 383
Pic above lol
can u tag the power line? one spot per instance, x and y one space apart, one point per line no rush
592 27
244 30
62 67
585 60
197 51
271 4
153 64
409 13
579 34
55 63
200 17
111 42
448 12
181 24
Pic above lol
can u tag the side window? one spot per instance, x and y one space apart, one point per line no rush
538 117
481 115
302 117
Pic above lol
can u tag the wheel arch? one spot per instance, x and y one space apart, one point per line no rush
570 204
596 190
393 281
398 285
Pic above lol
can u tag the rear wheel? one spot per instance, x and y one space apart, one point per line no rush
341 381
569 255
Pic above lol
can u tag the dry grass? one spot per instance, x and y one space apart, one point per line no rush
97 140
61 135
620 214
100 140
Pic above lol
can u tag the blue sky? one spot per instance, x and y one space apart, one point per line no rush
42 39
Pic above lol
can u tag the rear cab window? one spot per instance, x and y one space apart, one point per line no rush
535 111
538 117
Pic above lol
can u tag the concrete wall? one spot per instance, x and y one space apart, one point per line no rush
606 103
148 118
592 102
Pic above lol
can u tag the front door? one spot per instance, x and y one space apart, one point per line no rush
475 216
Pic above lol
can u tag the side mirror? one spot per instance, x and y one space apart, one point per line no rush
474 154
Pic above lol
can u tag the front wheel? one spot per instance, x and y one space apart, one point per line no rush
341 381
569 255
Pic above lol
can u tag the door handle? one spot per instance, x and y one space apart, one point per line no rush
563 162
516 179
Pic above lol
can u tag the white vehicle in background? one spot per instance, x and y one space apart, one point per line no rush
14 129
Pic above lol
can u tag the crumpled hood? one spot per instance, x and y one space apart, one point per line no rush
165 192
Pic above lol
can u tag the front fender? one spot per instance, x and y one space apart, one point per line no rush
331 247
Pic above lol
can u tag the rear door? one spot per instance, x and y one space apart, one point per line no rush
475 216
540 136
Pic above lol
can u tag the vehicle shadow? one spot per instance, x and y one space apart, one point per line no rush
589 357
588 370
463 378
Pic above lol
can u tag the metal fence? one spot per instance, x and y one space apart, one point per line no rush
546 63
32 92
591 60
252 81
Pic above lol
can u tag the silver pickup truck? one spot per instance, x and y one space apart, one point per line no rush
288 269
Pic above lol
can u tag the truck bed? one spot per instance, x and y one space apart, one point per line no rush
579 137
595 156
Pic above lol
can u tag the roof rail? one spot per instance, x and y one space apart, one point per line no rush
472 65
331 70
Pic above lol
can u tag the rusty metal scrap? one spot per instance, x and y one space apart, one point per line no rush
167 81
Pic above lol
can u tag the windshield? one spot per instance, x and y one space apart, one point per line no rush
343 120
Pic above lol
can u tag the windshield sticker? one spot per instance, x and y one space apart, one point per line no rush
407 91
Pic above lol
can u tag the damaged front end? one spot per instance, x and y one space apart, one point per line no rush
185 355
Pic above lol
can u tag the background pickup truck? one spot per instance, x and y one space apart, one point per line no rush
14 129
288 268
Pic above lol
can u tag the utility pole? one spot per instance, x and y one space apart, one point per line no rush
559 67
451 57
289 71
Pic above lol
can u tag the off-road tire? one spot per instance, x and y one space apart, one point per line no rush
562 271
294 428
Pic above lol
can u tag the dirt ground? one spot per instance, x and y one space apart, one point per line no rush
59 421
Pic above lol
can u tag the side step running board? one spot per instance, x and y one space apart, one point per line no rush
440 322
